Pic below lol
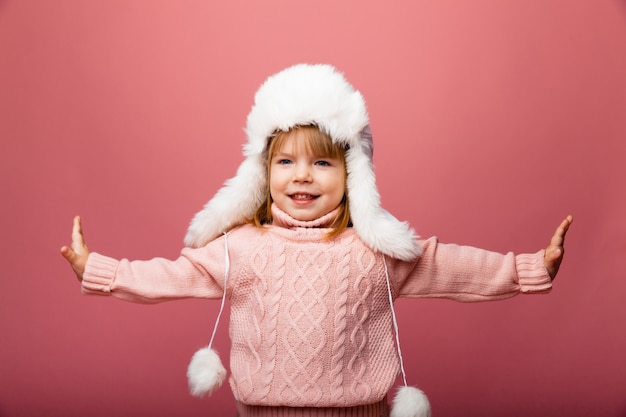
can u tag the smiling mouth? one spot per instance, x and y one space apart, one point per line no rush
303 197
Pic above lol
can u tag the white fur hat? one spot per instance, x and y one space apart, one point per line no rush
303 95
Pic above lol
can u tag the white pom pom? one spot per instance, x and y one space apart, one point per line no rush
410 402
205 373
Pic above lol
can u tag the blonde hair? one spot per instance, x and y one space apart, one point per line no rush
318 143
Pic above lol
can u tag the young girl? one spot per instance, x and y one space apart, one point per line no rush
311 263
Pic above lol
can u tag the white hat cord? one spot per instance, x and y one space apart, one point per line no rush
206 373
408 401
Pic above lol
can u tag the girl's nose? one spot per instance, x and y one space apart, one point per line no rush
302 172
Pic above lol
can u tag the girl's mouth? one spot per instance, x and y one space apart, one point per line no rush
303 197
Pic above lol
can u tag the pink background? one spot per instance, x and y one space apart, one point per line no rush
493 120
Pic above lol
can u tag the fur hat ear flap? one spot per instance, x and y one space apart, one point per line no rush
410 402
205 373
236 201
376 227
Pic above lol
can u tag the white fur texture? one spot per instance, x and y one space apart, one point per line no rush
299 95
205 373
305 94
237 200
410 402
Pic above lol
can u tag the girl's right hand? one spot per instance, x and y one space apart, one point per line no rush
78 253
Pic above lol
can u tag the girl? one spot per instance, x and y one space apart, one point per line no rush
311 263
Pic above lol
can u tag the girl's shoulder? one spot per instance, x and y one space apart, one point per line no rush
244 233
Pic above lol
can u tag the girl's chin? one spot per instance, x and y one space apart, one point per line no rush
304 215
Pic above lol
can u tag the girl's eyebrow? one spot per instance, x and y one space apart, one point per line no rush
282 154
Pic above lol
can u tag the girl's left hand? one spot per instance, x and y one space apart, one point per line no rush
78 253
555 250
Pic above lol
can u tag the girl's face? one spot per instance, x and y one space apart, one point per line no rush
305 185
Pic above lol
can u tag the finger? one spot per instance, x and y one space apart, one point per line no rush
78 239
73 258
555 250
77 229
68 253
558 239
554 254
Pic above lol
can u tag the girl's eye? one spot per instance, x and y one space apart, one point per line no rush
283 161
322 163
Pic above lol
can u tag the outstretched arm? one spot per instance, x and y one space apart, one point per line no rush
78 253
555 250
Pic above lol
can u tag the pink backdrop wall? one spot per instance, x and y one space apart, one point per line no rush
493 120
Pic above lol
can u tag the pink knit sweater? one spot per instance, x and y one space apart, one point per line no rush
310 321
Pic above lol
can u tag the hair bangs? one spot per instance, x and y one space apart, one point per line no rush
310 140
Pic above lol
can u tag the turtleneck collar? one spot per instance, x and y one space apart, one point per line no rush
282 219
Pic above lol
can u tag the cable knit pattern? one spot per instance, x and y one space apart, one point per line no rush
261 345
359 334
323 291
342 272
304 335
310 322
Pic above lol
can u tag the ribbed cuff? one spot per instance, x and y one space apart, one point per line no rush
532 273
379 409
99 274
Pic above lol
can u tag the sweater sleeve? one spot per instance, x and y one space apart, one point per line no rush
465 273
197 273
